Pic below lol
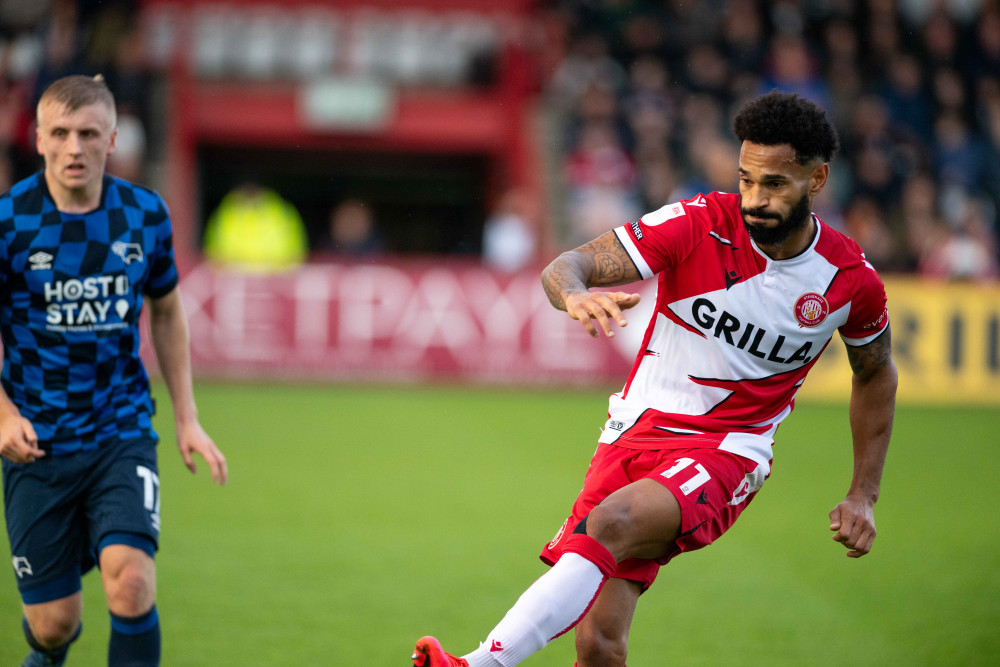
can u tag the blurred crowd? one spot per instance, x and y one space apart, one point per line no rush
643 93
43 40
639 95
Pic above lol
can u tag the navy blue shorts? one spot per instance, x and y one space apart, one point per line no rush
62 510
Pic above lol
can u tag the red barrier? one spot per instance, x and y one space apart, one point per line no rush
398 322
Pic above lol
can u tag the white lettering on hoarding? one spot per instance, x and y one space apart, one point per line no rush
334 319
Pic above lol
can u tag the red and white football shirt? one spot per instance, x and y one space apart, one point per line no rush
734 333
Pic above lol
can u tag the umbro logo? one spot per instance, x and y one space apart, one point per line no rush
495 647
127 251
732 278
698 201
40 260
703 498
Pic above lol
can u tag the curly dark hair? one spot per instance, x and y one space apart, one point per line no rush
787 118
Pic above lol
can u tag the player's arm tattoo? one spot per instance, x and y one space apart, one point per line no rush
602 262
867 360
558 282
611 263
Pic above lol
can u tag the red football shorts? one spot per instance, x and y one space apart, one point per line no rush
711 485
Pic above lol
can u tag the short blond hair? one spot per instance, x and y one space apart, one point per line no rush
76 91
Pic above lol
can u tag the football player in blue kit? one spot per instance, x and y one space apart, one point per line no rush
80 251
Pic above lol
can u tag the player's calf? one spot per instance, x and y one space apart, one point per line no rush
595 649
135 640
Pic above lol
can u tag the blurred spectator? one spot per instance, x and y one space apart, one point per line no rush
707 71
905 95
792 67
950 91
588 63
882 27
939 38
989 117
865 222
958 154
877 161
846 87
509 237
352 230
649 108
128 76
964 253
62 47
714 169
658 179
129 159
987 41
254 229
702 122
686 25
742 36
22 15
601 182
917 217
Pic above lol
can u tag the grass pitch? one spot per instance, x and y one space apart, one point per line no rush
358 519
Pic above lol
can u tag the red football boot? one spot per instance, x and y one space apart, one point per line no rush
428 653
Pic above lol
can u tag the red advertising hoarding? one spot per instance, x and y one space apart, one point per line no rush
404 322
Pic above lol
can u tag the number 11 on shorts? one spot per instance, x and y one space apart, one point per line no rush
697 480
151 493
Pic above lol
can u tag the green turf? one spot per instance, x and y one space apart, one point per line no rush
358 519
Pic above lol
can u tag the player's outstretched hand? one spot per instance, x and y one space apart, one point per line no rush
18 442
854 523
601 306
192 439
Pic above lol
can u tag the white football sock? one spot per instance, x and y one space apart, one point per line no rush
550 607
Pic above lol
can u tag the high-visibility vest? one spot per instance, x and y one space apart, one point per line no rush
255 230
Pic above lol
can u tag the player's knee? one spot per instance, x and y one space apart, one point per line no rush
611 524
54 630
595 648
131 591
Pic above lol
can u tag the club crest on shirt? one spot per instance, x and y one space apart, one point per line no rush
127 251
811 309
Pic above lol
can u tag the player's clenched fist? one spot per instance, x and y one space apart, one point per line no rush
600 306
853 524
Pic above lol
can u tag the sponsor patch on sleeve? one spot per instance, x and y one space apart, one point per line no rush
877 323
637 230
661 215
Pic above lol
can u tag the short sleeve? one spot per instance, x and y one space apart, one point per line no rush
869 314
664 237
163 275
